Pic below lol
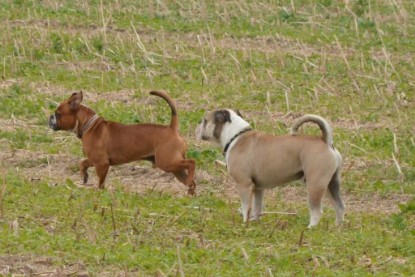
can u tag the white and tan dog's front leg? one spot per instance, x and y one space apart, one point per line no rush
246 193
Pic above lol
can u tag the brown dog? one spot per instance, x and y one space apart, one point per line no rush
107 143
258 161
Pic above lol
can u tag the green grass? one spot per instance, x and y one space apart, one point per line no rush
350 62
144 233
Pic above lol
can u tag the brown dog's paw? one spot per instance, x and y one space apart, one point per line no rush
192 189
85 179
191 192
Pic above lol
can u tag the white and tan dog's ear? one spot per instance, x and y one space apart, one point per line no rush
222 116
239 113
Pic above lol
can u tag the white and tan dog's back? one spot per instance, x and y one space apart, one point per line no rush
258 161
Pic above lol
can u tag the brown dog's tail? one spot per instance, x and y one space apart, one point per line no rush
321 122
174 123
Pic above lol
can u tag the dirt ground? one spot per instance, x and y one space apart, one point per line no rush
18 265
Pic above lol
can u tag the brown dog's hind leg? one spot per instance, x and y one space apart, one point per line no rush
102 170
84 165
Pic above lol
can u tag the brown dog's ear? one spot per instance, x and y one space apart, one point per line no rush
222 116
75 100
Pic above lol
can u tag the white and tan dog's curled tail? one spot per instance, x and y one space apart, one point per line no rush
321 122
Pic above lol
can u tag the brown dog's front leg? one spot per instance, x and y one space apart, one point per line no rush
184 170
190 177
182 177
84 165
187 178
102 170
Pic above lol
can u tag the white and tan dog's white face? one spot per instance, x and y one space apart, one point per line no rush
220 126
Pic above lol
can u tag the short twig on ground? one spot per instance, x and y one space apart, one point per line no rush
2 193
232 212
275 227
284 213
300 242
179 260
114 227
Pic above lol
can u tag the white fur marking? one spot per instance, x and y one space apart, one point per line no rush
230 129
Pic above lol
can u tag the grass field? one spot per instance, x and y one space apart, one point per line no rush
351 61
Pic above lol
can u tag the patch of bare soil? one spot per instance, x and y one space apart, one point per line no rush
33 266
134 177
9 125
5 84
25 265
367 204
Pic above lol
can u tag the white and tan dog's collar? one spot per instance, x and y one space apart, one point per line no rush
233 139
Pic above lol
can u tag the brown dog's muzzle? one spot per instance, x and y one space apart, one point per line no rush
53 122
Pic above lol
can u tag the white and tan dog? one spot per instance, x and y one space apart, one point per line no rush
258 161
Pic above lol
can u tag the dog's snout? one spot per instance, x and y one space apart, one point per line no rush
53 122
199 131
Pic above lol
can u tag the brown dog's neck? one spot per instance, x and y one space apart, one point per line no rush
85 120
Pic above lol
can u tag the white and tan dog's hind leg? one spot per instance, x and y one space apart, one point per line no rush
257 209
315 192
336 200
321 177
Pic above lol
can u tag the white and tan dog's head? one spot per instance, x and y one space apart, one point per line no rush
220 126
